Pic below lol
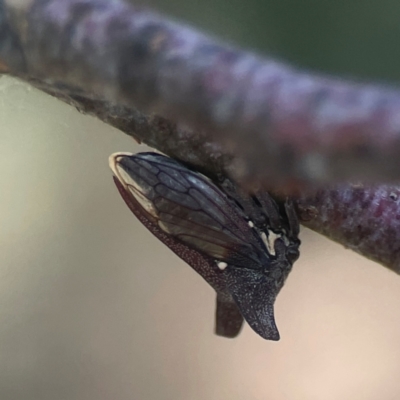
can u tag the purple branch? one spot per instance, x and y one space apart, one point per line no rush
281 125
266 123
364 219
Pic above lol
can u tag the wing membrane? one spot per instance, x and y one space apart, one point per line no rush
189 207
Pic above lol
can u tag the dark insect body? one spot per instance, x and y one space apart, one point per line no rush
243 246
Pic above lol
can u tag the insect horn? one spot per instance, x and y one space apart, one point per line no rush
252 295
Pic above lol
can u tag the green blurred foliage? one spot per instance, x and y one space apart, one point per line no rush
353 38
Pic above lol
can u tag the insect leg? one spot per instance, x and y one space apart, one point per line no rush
228 319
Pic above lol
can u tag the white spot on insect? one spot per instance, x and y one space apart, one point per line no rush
251 224
285 240
222 265
269 241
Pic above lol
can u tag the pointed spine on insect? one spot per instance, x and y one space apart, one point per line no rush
243 246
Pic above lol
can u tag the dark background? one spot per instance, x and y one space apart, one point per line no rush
351 38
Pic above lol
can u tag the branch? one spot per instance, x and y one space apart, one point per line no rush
280 125
363 218
170 138
276 124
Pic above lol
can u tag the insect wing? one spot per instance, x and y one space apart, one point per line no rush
228 319
184 204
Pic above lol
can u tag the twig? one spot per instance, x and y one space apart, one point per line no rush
280 124
277 125
364 219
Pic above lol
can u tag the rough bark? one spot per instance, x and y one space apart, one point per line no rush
281 125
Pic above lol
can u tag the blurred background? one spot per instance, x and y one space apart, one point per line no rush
93 307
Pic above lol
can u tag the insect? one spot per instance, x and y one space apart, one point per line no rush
243 246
